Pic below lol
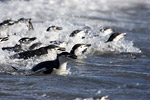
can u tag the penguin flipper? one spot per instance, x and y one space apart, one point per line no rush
14 68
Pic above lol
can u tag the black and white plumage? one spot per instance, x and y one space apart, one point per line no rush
8 22
21 46
56 42
38 52
106 31
26 40
78 33
74 33
16 48
59 43
3 39
54 28
115 37
27 21
4 26
35 46
79 49
55 66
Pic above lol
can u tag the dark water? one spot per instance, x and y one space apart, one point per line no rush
121 76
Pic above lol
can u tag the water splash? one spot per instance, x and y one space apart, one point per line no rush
63 13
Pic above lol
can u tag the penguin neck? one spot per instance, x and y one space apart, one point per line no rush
72 51
76 52
118 37
62 64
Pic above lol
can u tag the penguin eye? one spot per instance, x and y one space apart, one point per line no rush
82 46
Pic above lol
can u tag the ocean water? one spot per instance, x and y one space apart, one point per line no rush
119 70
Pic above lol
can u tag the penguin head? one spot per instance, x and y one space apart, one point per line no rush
106 31
26 40
8 22
119 36
115 37
66 56
24 20
79 34
79 49
27 21
55 48
54 28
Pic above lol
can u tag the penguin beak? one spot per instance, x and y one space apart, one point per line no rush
88 45
124 34
59 28
61 49
34 38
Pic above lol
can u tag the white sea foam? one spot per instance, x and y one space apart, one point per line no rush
65 13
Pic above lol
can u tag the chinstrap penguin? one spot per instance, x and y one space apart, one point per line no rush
79 49
21 46
27 21
38 52
4 26
56 66
116 37
26 40
54 28
78 33
8 22
106 31
16 48
3 39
